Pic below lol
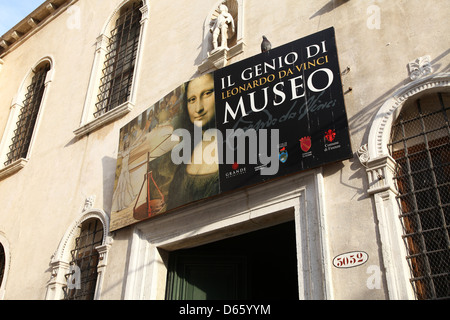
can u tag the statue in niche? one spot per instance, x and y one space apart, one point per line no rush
220 27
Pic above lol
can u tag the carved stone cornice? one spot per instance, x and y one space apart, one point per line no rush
102 42
419 68
380 173
219 58
103 120
144 11
12 168
363 154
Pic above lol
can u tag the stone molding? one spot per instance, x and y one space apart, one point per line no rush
104 119
419 68
12 168
381 126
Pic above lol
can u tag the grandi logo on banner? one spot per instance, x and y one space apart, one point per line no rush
273 114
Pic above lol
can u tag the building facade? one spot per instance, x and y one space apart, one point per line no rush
375 225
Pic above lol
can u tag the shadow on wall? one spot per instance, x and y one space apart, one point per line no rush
330 6
361 121
109 176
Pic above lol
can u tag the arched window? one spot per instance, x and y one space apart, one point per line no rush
5 262
28 115
112 86
82 276
120 61
2 263
23 119
420 145
79 263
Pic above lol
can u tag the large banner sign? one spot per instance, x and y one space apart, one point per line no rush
265 117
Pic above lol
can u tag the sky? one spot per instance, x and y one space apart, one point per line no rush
13 11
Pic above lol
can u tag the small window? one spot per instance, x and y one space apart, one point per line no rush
420 144
23 134
117 75
82 279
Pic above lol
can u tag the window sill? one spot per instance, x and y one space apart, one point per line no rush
12 168
108 117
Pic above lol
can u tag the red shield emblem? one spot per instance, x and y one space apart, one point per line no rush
305 143
330 135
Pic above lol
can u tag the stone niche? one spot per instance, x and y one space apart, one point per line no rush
224 24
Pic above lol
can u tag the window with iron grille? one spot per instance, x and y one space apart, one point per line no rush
420 144
117 75
82 279
2 263
28 115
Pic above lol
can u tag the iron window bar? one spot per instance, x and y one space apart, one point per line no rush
85 257
421 135
117 75
422 175
28 116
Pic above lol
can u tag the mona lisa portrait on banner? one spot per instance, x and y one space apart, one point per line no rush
148 182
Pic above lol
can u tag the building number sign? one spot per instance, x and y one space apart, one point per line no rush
350 259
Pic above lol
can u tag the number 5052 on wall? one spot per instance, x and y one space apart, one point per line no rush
350 259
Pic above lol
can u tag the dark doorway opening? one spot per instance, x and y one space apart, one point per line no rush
257 265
